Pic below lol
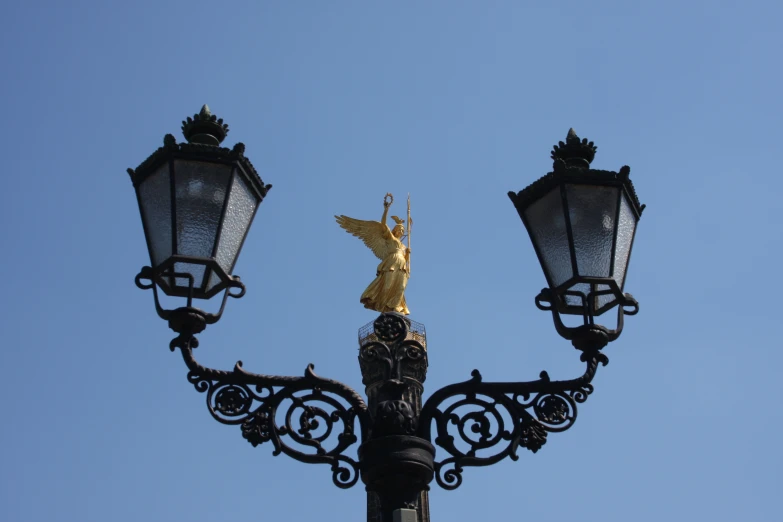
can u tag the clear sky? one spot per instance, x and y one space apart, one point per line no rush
338 103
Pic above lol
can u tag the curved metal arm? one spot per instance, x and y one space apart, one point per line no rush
504 414
311 411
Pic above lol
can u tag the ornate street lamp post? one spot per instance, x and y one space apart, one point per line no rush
197 201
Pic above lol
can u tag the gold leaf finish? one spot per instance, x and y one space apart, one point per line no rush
386 293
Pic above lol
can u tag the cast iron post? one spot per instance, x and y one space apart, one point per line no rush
393 360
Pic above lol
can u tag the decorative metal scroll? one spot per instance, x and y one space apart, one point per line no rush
493 419
393 351
313 419
312 413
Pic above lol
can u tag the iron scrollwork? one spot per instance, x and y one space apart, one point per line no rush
490 421
308 410
313 419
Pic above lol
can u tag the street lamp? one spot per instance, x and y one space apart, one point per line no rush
197 201
582 223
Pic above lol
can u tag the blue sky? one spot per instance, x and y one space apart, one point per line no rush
339 103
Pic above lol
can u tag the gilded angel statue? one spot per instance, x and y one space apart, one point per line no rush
387 291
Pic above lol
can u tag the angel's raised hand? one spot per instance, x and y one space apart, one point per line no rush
387 203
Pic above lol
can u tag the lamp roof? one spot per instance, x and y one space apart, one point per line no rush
571 165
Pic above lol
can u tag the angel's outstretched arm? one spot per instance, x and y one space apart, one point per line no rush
386 205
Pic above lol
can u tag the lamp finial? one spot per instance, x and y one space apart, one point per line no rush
574 152
204 128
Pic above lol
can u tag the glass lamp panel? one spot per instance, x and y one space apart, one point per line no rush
155 200
201 191
598 301
603 300
625 232
592 210
546 224
239 214
573 300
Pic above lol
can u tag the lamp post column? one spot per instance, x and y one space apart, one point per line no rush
393 370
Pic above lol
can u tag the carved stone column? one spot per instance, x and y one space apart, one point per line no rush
393 360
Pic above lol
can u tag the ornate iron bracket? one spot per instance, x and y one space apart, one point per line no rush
313 419
298 415
491 420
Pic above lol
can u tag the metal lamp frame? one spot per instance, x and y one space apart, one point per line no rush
209 153
571 167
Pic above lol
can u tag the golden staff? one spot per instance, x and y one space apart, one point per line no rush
410 222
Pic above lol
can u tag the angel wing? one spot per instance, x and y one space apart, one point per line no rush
374 233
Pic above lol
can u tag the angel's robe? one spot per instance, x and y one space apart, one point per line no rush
387 291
